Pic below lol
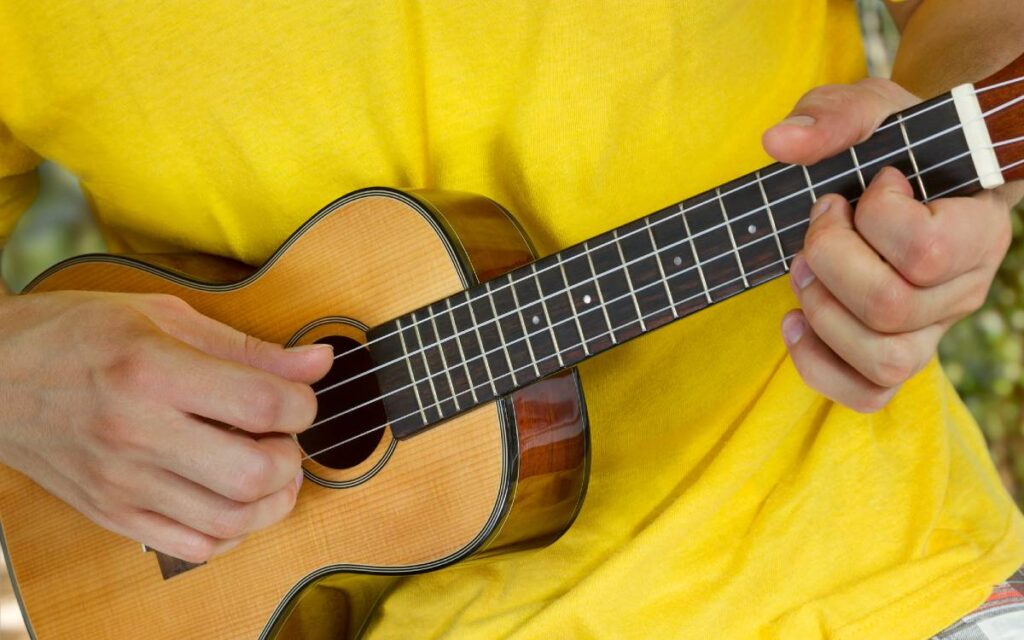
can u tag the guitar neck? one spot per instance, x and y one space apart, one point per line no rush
554 313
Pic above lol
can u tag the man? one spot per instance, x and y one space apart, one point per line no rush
728 498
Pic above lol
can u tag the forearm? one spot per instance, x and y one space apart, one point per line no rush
949 42
945 44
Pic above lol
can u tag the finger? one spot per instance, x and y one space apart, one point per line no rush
227 463
928 244
160 533
887 360
833 118
173 372
207 512
868 286
306 364
826 373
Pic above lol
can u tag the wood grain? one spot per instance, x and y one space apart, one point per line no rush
441 493
435 495
1009 123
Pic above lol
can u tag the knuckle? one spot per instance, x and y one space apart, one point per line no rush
887 307
896 362
256 350
250 480
131 368
925 259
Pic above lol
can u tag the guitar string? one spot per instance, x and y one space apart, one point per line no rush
682 241
766 207
729 193
587 251
435 405
656 254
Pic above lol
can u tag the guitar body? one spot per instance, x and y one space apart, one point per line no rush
506 475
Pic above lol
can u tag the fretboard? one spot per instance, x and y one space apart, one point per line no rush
493 338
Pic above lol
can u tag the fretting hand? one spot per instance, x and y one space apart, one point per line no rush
881 283
117 404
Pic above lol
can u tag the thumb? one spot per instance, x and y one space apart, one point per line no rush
831 119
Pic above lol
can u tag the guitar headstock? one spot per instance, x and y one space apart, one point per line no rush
1001 97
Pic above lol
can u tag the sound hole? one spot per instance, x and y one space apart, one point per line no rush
346 433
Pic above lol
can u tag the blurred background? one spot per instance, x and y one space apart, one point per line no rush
983 355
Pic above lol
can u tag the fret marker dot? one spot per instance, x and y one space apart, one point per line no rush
752 228
586 299
677 261
535 320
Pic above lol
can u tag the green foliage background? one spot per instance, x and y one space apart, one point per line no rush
983 355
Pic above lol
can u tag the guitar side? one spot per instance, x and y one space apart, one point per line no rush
507 475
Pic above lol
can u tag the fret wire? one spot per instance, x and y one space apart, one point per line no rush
462 352
480 341
690 236
1011 166
444 358
547 316
558 352
913 157
696 258
501 333
698 263
732 238
661 270
946 100
526 332
856 164
629 279
771 219
600 295
412 375
426 363
810 183
572 304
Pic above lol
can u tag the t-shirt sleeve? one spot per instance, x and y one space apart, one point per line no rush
18 181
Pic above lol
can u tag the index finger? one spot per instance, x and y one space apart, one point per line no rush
228 392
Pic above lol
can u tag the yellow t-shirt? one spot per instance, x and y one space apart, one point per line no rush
727 500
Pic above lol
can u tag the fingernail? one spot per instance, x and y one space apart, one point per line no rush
801 272
793 327
799 121
820 207
298 480
310 347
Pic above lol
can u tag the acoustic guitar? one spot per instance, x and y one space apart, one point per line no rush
452 426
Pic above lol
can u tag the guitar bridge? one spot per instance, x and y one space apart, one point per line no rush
169 566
